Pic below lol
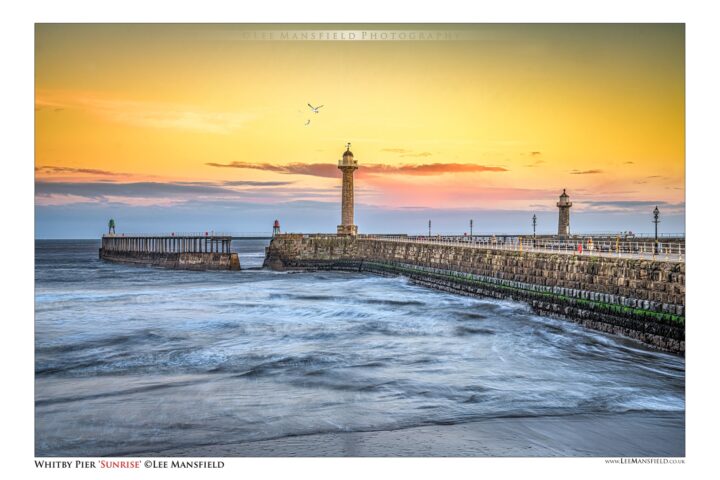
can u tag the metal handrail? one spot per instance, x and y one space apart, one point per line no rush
668 251
169 235
648 236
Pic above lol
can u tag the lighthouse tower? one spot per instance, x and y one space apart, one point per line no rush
347 165
564 220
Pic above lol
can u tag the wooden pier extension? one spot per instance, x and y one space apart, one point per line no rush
185 252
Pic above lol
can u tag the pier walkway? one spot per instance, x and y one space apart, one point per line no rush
167 243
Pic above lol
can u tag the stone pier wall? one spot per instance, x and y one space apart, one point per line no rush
177 261
639 299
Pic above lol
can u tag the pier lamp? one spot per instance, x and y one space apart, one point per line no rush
471 225
429 228
656 220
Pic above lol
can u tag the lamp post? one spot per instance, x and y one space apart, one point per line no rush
429 228
471 225
656 220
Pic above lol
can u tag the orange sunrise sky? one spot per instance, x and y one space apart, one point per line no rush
479 118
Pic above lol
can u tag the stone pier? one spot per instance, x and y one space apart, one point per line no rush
184 252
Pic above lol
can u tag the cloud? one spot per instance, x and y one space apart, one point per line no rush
253 183
633 206
406 153
52 170
420 154
585 172
172 193
431 168
236 183
625 203
99 190
330 170
536 160
179 118
147 114
542 207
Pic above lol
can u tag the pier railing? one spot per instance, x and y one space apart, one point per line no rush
173 243
170 234
673 251
623 237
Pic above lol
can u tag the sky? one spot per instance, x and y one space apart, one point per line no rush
192 128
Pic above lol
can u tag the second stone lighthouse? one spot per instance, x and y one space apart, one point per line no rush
564 221
347 165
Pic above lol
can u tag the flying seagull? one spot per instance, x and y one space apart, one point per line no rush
315 109
307 123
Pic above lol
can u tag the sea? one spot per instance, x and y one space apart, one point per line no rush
137 361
